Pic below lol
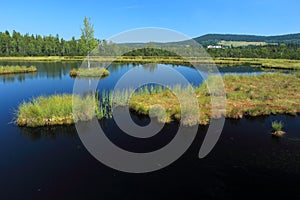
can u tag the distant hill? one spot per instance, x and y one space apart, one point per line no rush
237 40
216 38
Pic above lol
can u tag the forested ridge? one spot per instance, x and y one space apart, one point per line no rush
16 44
215 38
282 51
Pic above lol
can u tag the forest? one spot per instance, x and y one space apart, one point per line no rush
16 44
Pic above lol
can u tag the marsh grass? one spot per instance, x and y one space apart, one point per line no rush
281 64
277 126
92 72
246 96
56 110
277 129
263 62
16 69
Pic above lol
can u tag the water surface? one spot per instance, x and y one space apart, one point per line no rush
52 163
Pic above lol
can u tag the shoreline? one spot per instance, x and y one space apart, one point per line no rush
246 96
260 62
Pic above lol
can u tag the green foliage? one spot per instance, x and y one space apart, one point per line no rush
16 44
149 52
56 110
277 126
87 41
208 38
36 45
91 72
16 69
282 51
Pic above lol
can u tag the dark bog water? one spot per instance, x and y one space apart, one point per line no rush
52 163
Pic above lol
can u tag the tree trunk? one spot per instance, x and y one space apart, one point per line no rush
88 60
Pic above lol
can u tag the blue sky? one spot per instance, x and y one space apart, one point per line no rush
191 17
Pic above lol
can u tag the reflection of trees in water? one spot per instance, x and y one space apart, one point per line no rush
56 70
115 67
50 132
45 70
93 64
150 66
9 78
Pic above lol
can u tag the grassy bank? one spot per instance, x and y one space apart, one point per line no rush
92 72
267 63
16 69
56 110
246 96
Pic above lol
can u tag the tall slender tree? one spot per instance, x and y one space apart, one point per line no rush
87 40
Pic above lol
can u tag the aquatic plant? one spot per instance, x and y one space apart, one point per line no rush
277 128
57 110
16 69
89 72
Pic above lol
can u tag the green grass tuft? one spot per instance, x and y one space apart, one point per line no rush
277 126
56 110
16 69
91 72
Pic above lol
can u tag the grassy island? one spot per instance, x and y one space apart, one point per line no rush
246 96
56 110
277 129
16 69
92 72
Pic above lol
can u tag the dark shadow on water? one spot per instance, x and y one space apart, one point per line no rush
50 132
138 145
245 163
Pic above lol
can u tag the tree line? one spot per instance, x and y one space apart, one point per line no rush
16 44
283 51
280 39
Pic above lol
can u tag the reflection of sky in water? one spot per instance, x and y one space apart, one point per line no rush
53 78
153 71
39 161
